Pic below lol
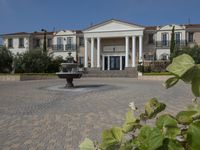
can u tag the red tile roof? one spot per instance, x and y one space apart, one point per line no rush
150 27
17 33
42 33
192 26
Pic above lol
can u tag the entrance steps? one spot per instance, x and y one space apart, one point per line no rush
96 72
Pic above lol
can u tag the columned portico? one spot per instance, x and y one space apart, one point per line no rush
127 50
92 52
110 46
98 52
86 53
140 48
133 51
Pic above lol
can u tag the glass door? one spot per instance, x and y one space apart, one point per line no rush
114 62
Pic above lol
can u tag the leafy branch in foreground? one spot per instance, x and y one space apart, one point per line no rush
180 132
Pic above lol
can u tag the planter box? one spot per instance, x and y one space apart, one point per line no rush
25 77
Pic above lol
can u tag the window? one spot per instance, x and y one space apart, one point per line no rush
59 43
81 41
69 43
10 43
21 42
164 39
37 43
164 56
150 38
49 42
178 38
190 37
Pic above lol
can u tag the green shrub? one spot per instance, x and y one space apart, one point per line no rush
194 52
6 60
32 61
180 132
54 65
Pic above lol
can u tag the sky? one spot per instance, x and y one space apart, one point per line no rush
33 15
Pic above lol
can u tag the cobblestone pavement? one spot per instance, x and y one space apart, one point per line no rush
34 116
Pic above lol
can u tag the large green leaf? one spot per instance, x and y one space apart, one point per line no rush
153 107
171 82
170 144
196 86
87 144
168 126
181 64
149 138
130 122
185 117
174 145
193 136
111 139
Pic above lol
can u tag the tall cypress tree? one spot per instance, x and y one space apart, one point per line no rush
172 45
45 41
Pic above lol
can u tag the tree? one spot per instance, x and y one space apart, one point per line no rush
6 60
45 41
172 45
194 52
32 61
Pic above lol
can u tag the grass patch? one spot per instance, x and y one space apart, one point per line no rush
157 74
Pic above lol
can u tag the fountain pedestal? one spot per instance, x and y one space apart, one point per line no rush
69 71
69 83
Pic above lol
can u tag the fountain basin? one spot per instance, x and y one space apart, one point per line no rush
69 74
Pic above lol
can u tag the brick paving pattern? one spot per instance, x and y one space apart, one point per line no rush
33 116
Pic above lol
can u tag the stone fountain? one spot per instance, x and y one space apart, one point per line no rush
69 71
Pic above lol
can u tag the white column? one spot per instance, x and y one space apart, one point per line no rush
103 63
140 48
133 51
98 52
86 53
108 62
120 62
127 51
92 52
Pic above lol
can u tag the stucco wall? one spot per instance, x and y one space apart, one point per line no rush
15 49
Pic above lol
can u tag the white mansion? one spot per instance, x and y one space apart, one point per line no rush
110 45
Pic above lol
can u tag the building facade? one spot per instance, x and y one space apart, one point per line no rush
110 45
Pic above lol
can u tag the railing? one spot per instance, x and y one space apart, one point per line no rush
117 48
166 44
70 47
58 47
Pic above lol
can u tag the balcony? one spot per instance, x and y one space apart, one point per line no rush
70 47
110 48
58 47
166 44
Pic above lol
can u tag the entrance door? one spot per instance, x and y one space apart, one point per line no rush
114 62
106 63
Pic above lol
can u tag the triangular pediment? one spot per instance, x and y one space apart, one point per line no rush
65 32
170 26
114 25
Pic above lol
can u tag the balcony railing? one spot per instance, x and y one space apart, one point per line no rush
67 47
166 44
70 47
58 47
111 48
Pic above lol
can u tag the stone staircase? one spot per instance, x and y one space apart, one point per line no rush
95 72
